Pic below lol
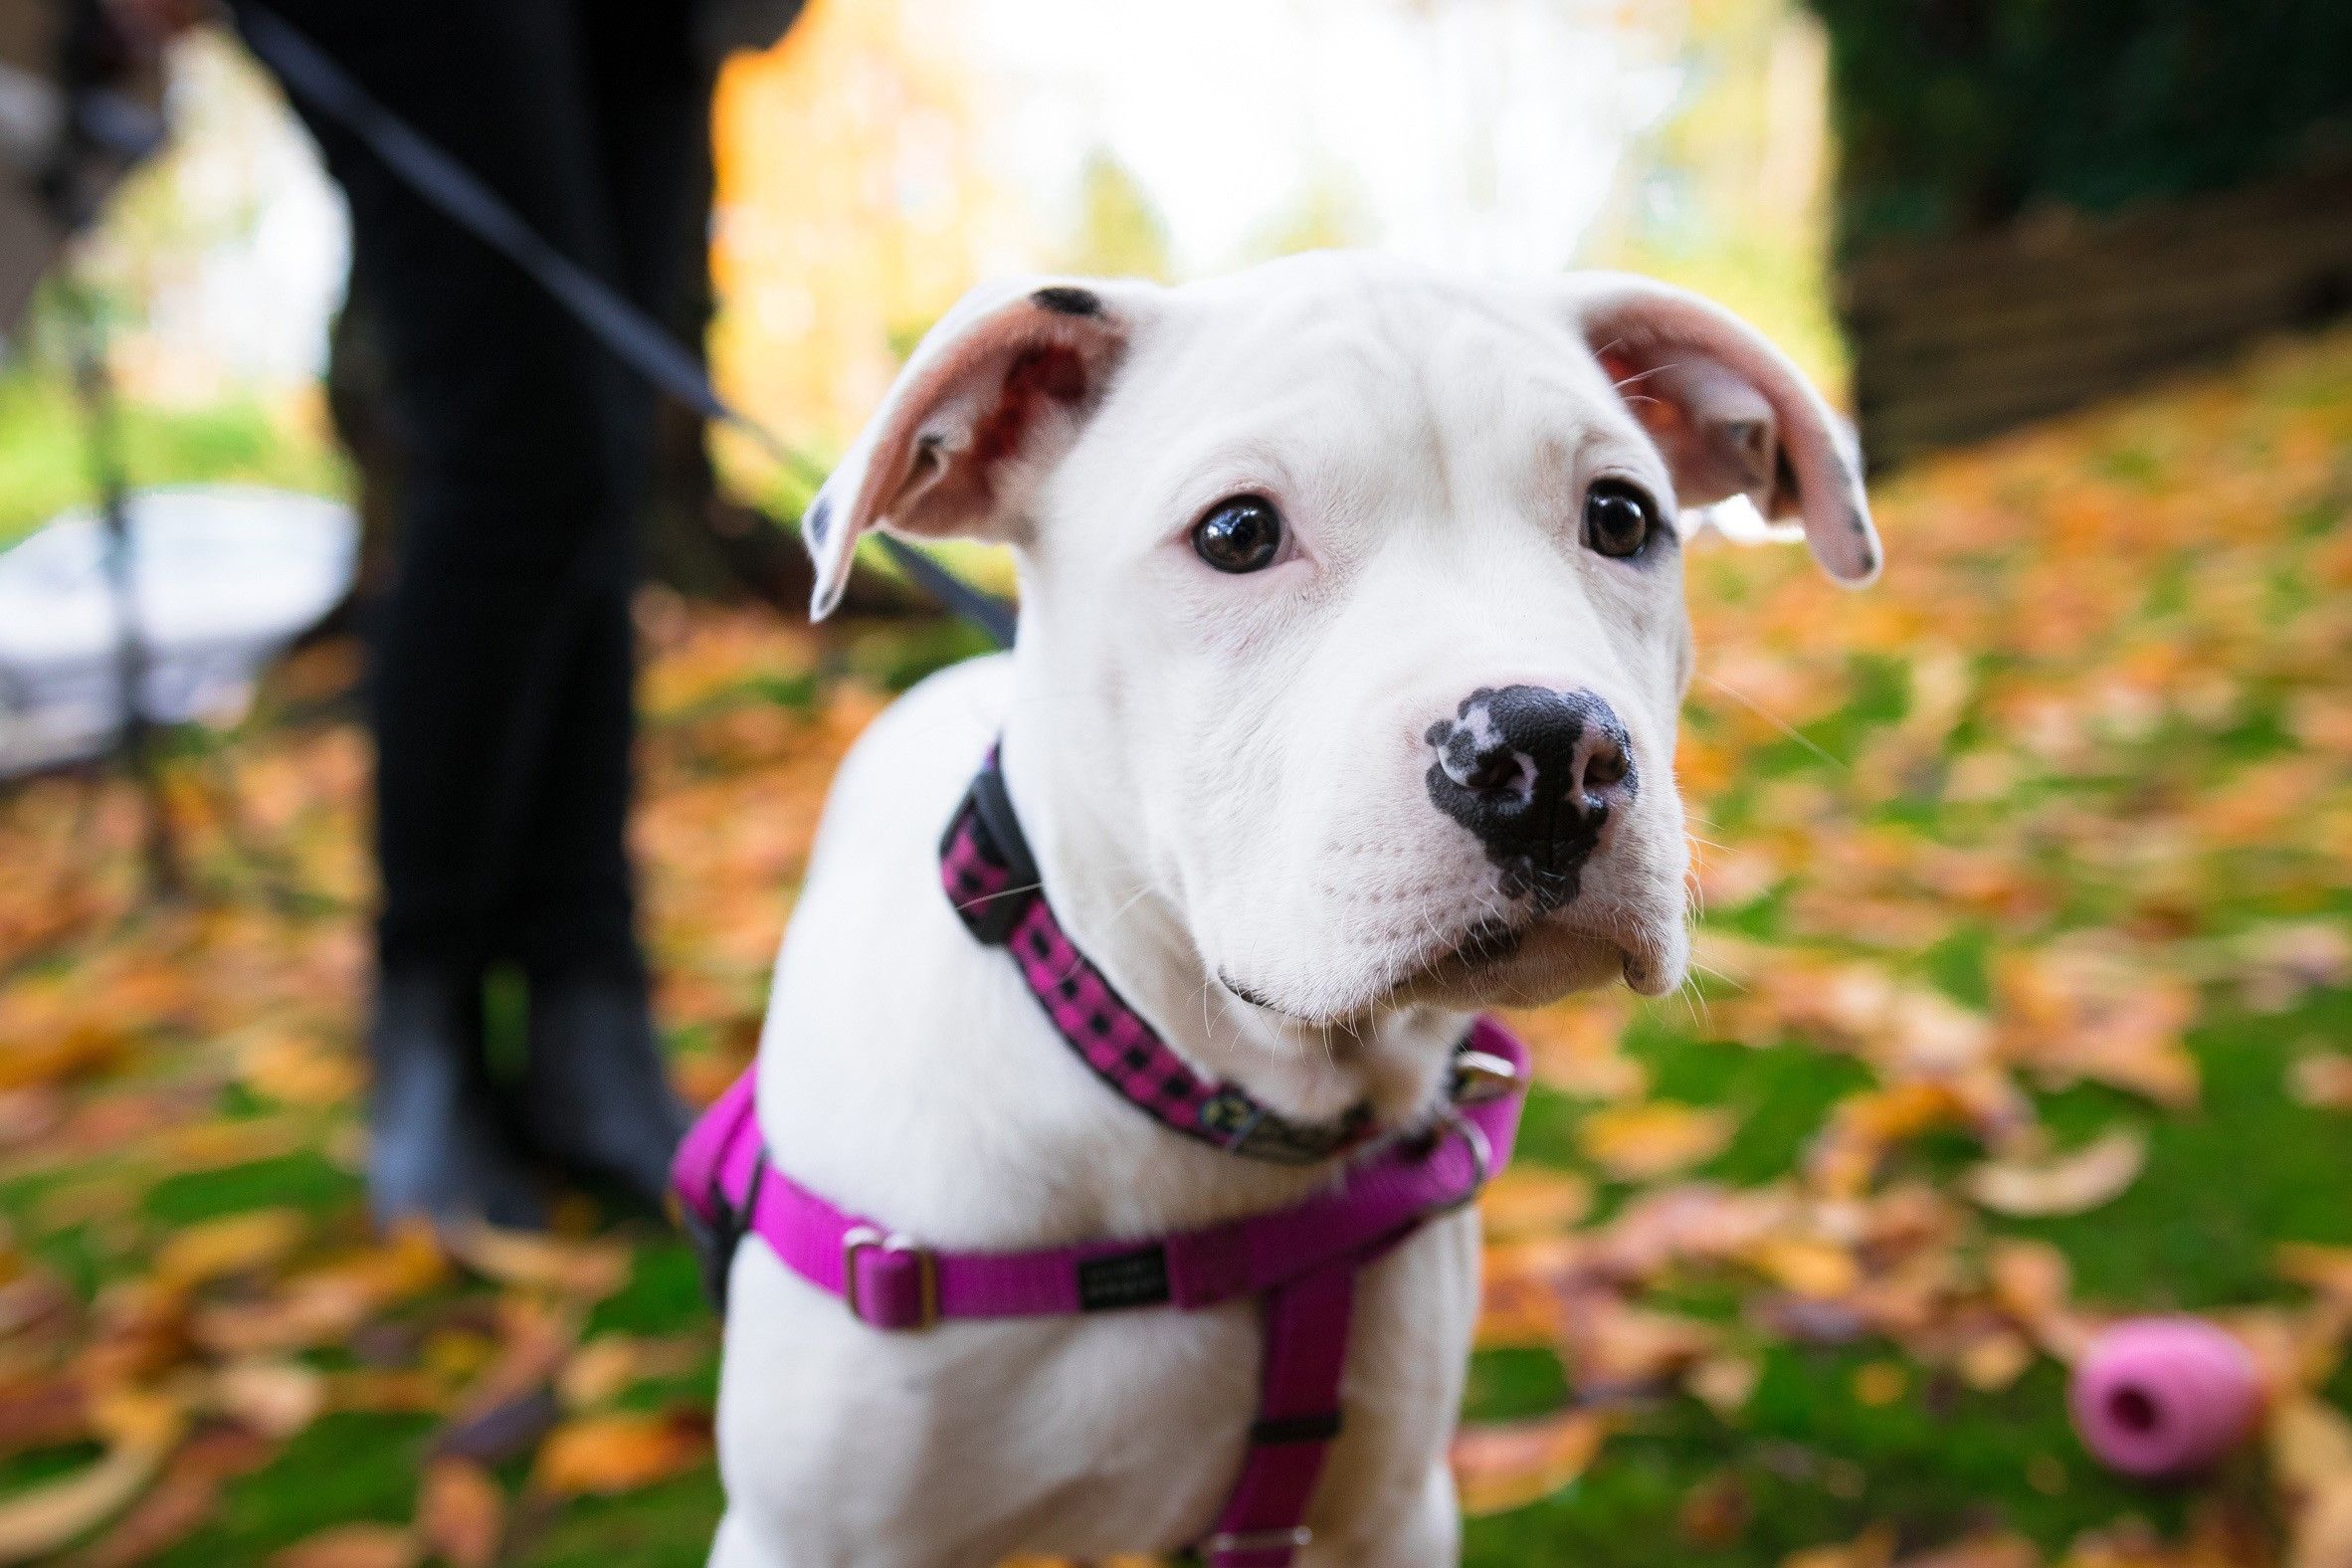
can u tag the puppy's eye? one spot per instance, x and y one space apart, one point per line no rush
1619 519
1242 533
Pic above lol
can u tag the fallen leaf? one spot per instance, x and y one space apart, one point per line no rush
1874 1548
1645 1141
1878 1383
460 1513
47 1414
610 1364
277 1399
1715 1512
591 1270
1499 1467
41 1519
2098 1173
254 1240
1725 1382
1808 1265
602 1455
298 1069
179 1505
2322 1080
1530 1200
1993 1361
354 1546
1992 1549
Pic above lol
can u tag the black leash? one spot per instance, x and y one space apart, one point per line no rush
626 332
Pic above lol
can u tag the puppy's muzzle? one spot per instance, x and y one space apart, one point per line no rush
1534 774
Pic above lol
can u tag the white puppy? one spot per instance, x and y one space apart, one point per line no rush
1343 704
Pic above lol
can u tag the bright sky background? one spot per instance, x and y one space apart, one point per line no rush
1480 134
892 152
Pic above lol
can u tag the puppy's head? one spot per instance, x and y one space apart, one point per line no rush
1353 607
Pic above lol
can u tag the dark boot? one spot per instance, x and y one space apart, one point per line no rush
595 1098
437 1149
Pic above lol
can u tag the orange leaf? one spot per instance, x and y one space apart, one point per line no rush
354 1546
1508 1466
460 1513
602 1455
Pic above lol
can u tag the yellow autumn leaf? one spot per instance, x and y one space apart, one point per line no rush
1532 1200
1657 1138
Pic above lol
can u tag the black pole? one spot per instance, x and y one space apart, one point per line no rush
136 737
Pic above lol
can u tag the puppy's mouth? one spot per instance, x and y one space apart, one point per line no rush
1259 999
1498 958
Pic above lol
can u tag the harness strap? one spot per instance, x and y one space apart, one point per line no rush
1306 1332
729 1185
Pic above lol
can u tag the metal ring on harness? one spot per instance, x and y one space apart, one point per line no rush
1482 1151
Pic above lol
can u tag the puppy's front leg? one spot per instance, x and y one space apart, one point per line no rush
1425 1533
739 1544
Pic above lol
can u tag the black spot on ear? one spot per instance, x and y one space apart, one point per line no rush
1063 300
819 519
1858 524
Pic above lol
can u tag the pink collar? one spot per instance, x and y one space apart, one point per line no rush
992 880
1300 1262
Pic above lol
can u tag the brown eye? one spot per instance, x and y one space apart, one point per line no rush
1241 535
1619 519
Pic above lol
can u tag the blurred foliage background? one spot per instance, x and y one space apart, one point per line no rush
2026 877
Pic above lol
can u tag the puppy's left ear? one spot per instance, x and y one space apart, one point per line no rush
1730 413
991 399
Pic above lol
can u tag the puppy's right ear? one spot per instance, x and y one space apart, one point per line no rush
991 399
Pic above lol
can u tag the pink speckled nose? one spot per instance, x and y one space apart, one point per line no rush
2163 1395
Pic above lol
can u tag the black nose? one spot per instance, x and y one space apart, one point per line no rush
1534 773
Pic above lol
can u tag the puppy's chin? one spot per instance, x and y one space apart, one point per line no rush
1542 964
1498 966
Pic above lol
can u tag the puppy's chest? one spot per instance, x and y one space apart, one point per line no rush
1086 1436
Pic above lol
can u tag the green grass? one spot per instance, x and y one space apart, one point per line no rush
2225 1184
45 457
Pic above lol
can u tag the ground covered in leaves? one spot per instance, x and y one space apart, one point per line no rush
2025 1003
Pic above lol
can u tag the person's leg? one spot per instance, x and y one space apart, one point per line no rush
594 1094
513 530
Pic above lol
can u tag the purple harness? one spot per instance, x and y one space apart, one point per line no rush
1300 1261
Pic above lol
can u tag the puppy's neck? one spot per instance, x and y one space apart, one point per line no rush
1115 907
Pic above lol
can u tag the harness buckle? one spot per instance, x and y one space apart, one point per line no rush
1481 1076
862 1239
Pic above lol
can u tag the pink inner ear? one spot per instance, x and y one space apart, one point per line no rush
1048 371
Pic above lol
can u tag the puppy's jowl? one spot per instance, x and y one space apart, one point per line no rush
1102 1183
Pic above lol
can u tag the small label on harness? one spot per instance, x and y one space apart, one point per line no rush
1136 1279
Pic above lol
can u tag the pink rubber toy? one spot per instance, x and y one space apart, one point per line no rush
2164 1396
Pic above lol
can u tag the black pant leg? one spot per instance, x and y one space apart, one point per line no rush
649 94
515 550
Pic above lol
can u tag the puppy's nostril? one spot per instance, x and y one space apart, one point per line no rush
1497 774
1604 761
